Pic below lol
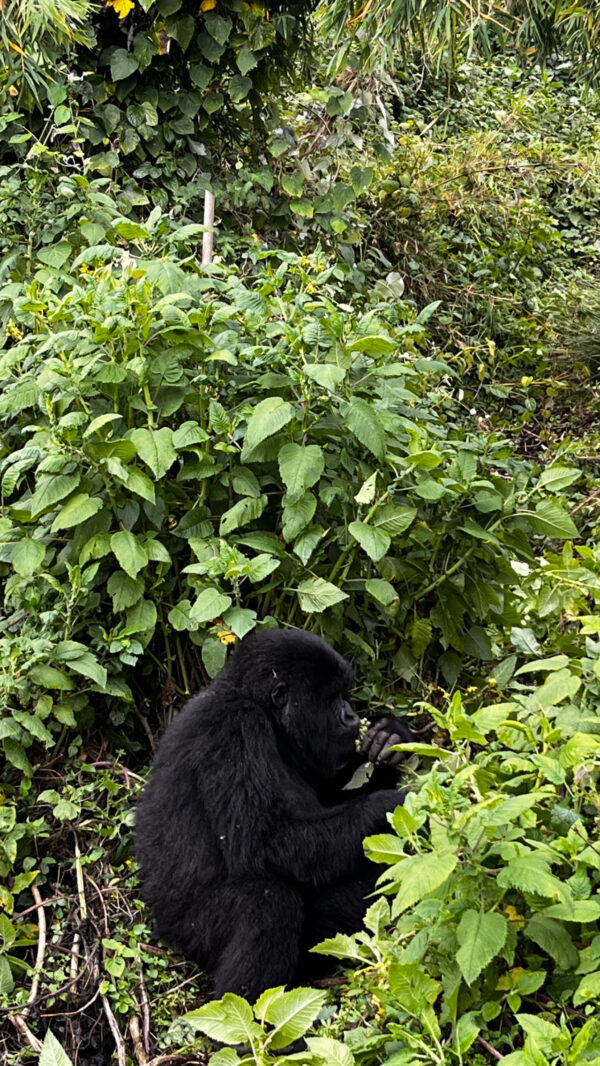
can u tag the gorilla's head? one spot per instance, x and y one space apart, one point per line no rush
302 685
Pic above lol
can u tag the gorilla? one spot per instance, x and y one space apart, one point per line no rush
250 850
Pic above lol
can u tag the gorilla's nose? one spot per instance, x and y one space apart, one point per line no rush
349 717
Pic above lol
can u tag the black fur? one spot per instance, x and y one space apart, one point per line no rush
250 852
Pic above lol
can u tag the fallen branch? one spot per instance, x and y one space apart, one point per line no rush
136 1036
116 1032
18 1020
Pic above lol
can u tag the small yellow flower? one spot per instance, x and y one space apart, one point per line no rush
122 7
226 636
14 331
492 683
513 916
525 381
208 5
12 90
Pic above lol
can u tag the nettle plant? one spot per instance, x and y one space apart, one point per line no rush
188 454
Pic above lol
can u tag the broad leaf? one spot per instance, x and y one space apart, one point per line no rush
268 417
481 938
315 595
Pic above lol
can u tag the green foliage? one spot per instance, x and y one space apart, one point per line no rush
442 31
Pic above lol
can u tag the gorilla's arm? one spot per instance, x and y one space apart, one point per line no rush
268 819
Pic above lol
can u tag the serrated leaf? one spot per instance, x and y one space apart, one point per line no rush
246 510
27 556
50 677
76 511
529 873
210 604
229 1019
326 375
50 490
316 595
418 875
558 686
331 1051
374 541
300 468
588 988
155 448
179 616
553 938
550 520
297 515
16 755
481 938
268 417
556 478
363 422
394 520
130 552
290 1013
240 620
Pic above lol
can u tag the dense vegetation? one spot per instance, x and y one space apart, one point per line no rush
374 415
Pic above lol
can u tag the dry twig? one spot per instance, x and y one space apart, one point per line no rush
116 1032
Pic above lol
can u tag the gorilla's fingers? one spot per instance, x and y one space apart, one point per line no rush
391 758
375 741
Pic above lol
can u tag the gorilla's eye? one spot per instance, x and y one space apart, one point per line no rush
279 695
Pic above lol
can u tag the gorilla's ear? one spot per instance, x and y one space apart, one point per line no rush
279 695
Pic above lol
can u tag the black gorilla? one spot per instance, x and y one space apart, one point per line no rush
250 851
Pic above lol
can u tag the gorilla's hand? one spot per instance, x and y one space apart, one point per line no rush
380 737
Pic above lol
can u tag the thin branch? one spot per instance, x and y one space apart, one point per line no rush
208 237
136 1037
116 1032
489 1047
19 1023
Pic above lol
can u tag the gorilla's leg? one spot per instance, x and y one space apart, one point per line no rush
263 952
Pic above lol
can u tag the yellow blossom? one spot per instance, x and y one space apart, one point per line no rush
13 331
208 5
226 636
122 7
513 916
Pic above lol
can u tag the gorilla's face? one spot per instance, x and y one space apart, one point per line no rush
318 724
303 685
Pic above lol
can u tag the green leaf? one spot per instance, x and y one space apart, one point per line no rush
155 447
290 1013
122 64
131 231
246 60
89 666
6 978
76 511
50 677
529 873
297 515
413 989
260 567
27 556
52 488
331 1051
210 604
552 521
56 255
394 520
558 686
240 620
300 468
557 478
141 619
239 87
214 655
372 540
481 938
125 590
418 875
268 417
15 753
553 938
52 1053
228 1019
130 552
327 375
179 616
382 591
377 344
136 482
364 424
241 514
316 595
588 988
